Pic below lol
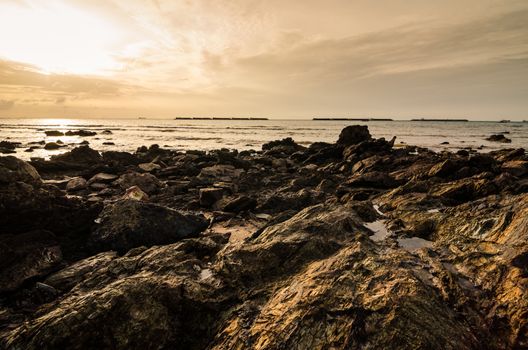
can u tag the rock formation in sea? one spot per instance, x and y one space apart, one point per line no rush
346 245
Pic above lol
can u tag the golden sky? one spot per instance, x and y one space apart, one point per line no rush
268 58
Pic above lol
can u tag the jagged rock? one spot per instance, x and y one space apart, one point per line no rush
82 155
146 182
226 173
516 167
353 134
128 223
136 194
25 256
67 278
288 142
446 168
239 204
209 196
120 158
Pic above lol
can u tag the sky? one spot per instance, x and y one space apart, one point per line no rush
264 58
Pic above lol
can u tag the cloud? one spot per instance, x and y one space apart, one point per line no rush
6 104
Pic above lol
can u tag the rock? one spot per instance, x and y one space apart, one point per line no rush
517 168
107 132
120 158
13 170
239 204
284 142
136 194
353 134
53 133
76 183
82 155
52 146
498 138
67 278
148 167
147 182
128 223
8 145
81 133
209 196
108 143
226 173
443 169
103 178
25 256
98 186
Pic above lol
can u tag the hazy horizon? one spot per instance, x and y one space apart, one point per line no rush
296 60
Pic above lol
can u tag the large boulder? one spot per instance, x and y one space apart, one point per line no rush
128 223
13 169
146 182
82 155
25 256
354 134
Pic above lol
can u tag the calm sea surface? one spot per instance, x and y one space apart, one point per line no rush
128 134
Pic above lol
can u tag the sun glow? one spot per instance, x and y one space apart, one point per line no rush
58 38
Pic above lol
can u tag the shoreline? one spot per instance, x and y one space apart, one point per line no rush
226 248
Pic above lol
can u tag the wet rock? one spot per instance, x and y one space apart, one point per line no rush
8 145
353 134
146 182
52 146
76 184
128 223
53 133
81 133
25 256
209 196
498 138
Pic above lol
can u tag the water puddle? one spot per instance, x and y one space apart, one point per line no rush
380 230
414 243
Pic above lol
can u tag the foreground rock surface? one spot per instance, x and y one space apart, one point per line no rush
349 245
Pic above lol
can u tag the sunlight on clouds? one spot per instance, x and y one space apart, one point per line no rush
57 38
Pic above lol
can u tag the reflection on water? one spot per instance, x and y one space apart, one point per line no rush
128 134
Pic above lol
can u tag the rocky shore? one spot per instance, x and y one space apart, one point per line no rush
345 245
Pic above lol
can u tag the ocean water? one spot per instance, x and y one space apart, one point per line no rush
129 134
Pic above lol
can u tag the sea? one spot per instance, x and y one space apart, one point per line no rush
129 134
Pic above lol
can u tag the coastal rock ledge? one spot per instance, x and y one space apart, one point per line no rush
356 244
